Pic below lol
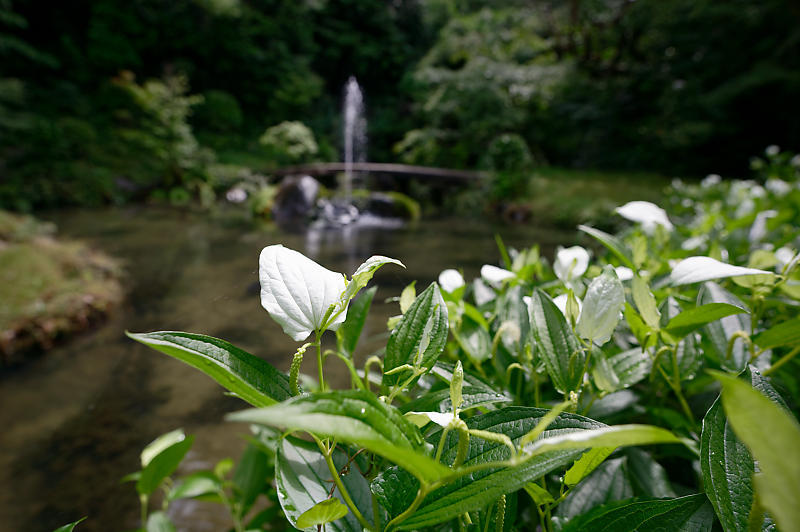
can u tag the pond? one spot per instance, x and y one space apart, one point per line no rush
75 419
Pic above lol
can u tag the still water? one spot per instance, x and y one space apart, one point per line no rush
74 420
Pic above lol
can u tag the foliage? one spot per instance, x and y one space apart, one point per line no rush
147 148
510 160
517 400
256 63
682 86
685 86
289 143
219 112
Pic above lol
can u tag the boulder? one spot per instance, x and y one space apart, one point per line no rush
295 199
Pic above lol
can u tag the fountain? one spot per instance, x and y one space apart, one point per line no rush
347 212
354 133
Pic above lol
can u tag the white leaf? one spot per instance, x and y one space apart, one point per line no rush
759 228
602 307
297 292
570 262
699 269
494 275
646 213
482 293
624 273
450 280
421 419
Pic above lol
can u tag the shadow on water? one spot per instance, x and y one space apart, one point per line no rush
75 420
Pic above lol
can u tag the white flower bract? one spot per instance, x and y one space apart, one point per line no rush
570 263
494 275
646 213
450 280
297 292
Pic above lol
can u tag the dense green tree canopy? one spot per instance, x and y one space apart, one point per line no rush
688 86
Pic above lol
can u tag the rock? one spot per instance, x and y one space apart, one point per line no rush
295 198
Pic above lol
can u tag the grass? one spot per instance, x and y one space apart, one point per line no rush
568 196
48 287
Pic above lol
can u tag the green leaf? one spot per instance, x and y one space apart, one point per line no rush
539 495
556 343
587 463
692 319
512 312
70 527
349 332
647 476
645 302
608 483
630 366
475 393
323 512
162 465
251 475
642 332
690 357
784 333
720 332
611 242
407 297
602 306
456 385
440 401
683 514
159 522
559 445
395 489
249 377
303 479
355 417
727 470
753 416
424 323
197 484
364 273
474 340
604 377
157 446
614 436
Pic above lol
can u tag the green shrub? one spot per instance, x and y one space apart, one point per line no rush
581 393
218 112
510 161
289 143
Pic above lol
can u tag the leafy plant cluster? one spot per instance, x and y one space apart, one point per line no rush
685 86
636 390
77 128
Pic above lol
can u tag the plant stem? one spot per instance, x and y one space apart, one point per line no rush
318 343
355 380
370 361
783 360
143 505
421 493
416 373
677 389
234 510
328 454
735 336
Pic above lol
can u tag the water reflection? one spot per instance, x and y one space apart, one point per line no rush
75 420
